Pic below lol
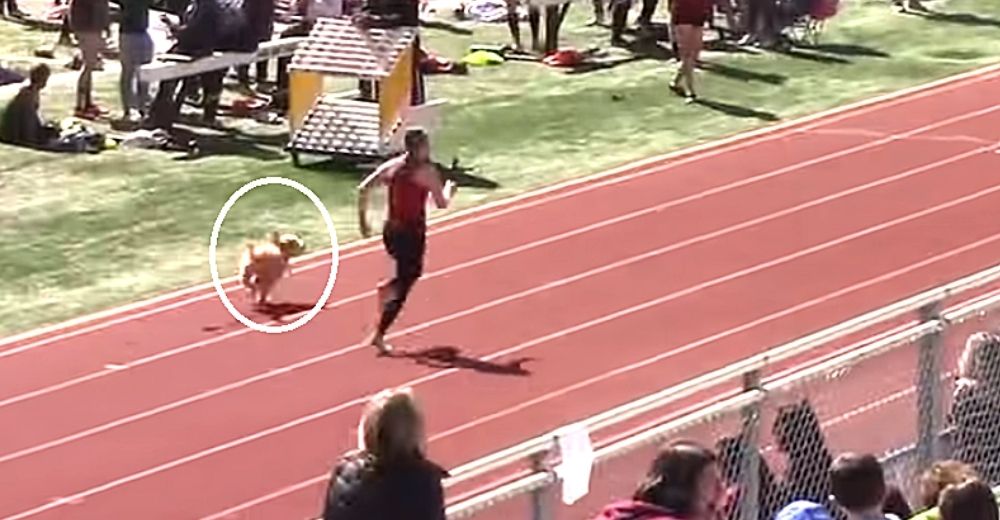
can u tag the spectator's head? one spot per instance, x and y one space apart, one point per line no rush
939 476
858 483
392 427
980 361
969 500
685 480
417 145
39 76
803 510
798 432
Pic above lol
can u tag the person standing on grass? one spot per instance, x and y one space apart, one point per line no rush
88 19
688 18
411 179
136 51
12 9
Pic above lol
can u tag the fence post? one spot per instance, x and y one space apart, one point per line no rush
541 498
750 456
929 413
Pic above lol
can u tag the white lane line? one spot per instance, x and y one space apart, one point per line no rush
556 283
537 197
517 348
683 200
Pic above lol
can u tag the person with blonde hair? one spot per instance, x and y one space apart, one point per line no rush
389 476
939 476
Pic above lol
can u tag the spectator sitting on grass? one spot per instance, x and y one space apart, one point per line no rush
970 500
682 484
858 486
390 478
976 409
21 123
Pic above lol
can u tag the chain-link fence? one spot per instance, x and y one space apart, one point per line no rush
916 394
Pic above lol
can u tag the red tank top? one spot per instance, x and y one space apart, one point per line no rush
407 199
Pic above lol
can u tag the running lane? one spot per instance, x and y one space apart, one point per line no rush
559 305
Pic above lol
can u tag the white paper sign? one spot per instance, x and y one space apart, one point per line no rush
577 455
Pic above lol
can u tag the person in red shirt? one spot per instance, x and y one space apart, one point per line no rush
410 178
688 18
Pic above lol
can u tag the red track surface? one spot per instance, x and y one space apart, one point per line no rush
607 290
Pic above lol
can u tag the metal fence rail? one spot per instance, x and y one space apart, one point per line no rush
920 346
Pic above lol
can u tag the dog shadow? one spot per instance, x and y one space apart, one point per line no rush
445 357
278 311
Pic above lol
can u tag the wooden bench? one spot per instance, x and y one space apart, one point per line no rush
174 66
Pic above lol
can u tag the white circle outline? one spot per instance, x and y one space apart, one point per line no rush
334 255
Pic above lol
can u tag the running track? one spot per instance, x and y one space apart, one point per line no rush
602 291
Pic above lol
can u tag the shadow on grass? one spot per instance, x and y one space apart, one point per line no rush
464 179
447 357
743 74
231 141
847 49
446 27
803 53
736 110
969 19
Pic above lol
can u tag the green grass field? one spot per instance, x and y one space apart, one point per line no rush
81 233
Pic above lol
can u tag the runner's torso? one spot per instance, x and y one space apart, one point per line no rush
407 200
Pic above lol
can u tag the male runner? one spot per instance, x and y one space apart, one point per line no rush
410 179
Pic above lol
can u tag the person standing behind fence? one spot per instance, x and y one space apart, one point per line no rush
136 46
857 483
970 500
976 409
683 483
88 20
688 18
799 436
938 477
390 476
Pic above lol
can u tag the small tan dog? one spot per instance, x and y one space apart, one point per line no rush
263 265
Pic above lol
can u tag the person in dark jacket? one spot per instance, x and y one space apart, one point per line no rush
21 124
799 437
683 483
770 495
88 19
976 409
260 17
390 477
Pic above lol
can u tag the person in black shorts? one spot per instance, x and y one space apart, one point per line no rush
410 178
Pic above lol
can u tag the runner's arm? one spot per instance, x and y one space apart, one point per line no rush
377 177
441 190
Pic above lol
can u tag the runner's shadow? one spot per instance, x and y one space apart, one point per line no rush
451 357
